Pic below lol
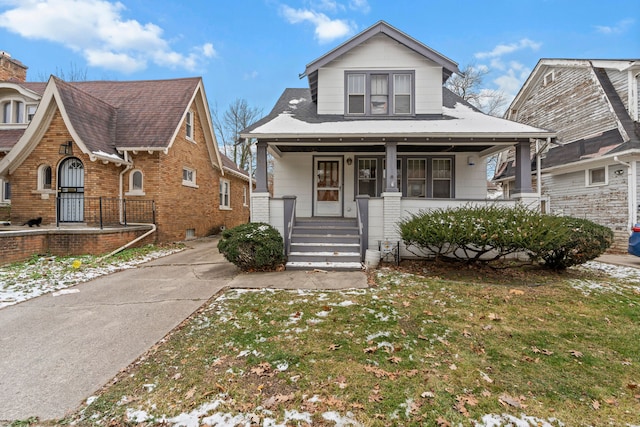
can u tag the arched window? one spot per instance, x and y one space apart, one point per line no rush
136 183
44 177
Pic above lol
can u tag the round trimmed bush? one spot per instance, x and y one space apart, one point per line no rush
254 246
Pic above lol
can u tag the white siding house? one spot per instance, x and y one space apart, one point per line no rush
374 138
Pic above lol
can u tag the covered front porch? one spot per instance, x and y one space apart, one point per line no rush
350 179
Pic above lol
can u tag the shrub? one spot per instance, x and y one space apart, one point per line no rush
575 242
490 232
472 233
253 247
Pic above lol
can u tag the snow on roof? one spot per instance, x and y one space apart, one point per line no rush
460 120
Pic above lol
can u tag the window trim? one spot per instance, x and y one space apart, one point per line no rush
42 179
135 191
245 199
5 187
189 182
189 131
402 174
227 185
391 95
588 177
16 109
549 78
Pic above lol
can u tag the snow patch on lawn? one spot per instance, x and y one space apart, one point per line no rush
493 420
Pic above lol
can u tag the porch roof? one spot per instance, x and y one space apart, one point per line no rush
294 122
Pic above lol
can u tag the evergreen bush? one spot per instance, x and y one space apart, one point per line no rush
252 247
489 232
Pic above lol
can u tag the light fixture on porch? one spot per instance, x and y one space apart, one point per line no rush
349 161
66 149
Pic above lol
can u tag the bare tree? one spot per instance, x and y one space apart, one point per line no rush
74 74
238 116
468 86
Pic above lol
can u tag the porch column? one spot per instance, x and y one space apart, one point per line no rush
391 149
261 168
524 191
392 212
523 168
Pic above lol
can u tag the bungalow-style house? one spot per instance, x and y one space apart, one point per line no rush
592 172
115 153
374 138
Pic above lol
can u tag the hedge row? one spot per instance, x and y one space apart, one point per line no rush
490 232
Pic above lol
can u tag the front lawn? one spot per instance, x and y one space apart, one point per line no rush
425 345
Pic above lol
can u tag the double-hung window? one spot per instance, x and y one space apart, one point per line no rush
225 196
379 93
189 125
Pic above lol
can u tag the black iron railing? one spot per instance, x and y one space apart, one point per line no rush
104 211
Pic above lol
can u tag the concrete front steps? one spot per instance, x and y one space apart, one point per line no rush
325 244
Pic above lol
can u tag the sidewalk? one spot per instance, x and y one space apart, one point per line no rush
56 351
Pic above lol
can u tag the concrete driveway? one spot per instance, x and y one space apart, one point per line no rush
55 351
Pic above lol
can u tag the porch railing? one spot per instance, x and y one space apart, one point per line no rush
289 221
104 211
362 208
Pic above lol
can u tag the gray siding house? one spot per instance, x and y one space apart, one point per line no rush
592 171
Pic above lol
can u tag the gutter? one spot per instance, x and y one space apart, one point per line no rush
632 188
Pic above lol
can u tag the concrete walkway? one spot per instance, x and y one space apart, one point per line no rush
57 351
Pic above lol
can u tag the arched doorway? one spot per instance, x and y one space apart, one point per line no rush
71 190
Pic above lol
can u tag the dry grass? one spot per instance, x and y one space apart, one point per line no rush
428 344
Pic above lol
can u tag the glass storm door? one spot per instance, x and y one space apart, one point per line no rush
71 190
328 186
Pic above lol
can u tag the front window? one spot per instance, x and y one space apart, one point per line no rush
426 177
379 93
225 202
355 93
441 178
368 177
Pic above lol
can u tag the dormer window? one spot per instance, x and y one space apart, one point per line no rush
378 93
13 111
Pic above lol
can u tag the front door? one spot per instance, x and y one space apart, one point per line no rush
71 190
328 186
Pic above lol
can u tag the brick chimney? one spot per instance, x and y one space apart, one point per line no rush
11 69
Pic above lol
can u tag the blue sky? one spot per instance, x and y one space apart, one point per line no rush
255 49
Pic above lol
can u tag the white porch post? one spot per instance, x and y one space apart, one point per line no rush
260 207
392 212
260 198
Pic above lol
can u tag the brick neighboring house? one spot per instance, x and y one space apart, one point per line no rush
67 146
592 172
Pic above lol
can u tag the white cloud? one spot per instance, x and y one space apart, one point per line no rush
251 75
503 49
326 29
97 29
360 5
619 28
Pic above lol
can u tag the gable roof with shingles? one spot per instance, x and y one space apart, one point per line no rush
607 143
230 166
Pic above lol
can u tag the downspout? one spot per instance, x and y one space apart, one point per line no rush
632 186
121 196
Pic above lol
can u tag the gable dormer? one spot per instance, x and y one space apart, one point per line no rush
379 73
